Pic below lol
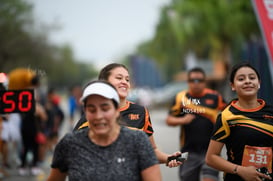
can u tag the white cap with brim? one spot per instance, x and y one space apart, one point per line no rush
102 89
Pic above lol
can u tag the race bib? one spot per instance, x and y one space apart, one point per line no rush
258 157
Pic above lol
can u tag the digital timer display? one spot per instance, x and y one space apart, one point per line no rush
19 101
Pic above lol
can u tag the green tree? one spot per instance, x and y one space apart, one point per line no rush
23 45
68 72
209 28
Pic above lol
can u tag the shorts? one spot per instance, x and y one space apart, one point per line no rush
11 128
195 168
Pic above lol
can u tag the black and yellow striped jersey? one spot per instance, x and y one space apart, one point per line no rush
241 128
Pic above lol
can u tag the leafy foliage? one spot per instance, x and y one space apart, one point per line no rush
21 45
212 29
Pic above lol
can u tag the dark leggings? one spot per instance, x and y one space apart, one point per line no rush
29 144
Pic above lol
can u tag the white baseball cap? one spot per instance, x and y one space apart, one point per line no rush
100 88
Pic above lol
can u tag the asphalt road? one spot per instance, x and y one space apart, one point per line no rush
167 140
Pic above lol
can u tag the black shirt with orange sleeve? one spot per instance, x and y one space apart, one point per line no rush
134 116
195 136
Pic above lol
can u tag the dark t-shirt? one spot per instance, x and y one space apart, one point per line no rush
124 159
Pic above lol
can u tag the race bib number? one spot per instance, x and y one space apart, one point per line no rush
258 157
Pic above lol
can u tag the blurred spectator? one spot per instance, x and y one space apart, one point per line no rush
25 78
41 120
11 137
55 117
3 173
74 103
10 134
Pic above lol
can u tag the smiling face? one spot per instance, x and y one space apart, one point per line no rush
101 114
120 79
246 82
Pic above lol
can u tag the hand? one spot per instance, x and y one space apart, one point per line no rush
250 173
188 118
174 163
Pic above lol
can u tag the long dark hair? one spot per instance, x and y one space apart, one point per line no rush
106 71
236 67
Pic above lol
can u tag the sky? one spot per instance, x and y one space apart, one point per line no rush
100 31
